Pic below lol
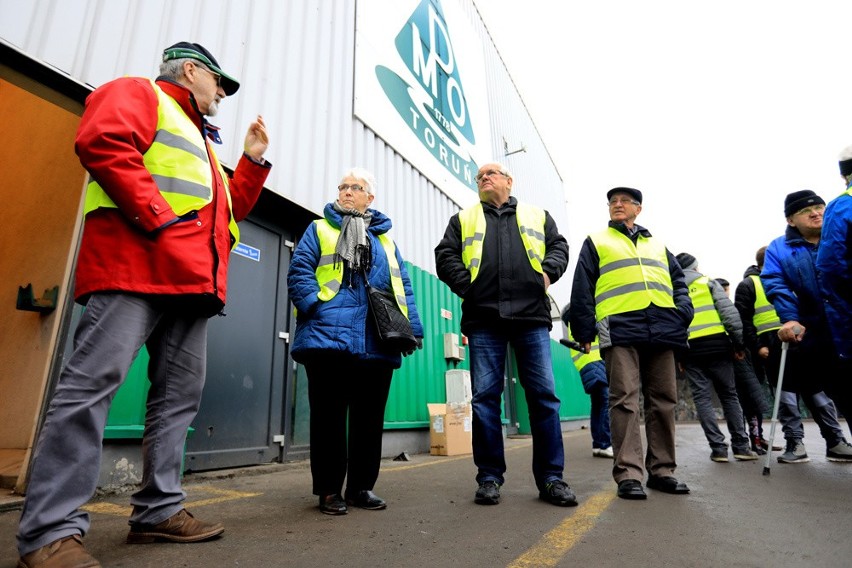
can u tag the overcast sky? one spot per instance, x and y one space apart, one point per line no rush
714 110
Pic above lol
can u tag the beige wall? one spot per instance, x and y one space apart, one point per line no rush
40 189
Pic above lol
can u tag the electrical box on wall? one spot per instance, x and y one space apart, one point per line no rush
452 350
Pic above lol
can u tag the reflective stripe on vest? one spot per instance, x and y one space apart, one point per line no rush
582 359
765 318
179 164
706 320
530 226
632 277
330 275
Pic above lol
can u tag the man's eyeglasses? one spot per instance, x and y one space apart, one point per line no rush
809 210
482 175
624 200
354 187
215 75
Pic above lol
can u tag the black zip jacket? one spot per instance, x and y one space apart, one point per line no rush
507 290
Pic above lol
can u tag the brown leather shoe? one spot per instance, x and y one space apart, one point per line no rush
180 527
67 552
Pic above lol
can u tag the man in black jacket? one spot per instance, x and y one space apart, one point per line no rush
629 290
500 256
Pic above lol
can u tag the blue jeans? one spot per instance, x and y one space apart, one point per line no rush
488 348
599 418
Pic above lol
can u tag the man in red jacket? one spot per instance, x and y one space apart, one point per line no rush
160 221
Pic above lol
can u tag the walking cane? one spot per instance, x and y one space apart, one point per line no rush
784 347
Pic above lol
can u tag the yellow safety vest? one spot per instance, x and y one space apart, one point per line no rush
706 320
582 359
530 224
632 277
765 318
330 275
179 162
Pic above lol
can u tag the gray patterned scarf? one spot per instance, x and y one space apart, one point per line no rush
352 244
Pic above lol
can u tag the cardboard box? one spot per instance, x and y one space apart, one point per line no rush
450 429
458 386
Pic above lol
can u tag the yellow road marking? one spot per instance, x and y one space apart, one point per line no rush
555 544
221 495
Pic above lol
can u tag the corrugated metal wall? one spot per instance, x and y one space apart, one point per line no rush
295 62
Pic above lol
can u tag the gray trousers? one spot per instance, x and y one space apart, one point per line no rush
718 375
822 409
66 463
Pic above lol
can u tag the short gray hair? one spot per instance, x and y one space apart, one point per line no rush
173 68
361 173
504 169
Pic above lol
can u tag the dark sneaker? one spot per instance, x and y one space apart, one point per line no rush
795 453
63 553
558 493
744 454
365 500
488 493
842 452
719 454
180 527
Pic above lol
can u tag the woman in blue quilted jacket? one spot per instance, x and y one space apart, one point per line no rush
349 370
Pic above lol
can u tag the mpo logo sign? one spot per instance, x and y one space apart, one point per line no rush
425 78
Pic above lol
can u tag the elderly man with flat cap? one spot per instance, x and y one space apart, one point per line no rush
160 221
629 290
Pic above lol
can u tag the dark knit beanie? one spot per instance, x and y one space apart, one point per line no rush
799 200
687 261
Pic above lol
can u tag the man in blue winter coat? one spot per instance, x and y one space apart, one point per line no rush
789 277
834 263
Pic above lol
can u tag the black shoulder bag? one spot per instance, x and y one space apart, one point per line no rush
393 327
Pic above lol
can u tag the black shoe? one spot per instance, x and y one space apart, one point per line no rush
631 489
667 484
365 499
488 493
332 504
558 493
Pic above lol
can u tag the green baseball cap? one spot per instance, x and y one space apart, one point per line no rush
186 50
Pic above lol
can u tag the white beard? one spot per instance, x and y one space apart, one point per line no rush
213 108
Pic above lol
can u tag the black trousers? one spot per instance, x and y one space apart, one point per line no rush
346 393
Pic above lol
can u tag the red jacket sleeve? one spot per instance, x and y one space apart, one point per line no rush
117 127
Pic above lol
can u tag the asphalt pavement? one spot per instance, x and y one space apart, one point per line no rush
799 515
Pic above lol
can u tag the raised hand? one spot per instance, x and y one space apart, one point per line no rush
257 139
